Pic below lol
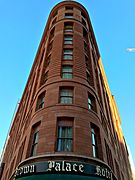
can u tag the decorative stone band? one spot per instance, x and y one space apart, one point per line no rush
64 167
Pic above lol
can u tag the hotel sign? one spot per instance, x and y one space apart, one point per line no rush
64 167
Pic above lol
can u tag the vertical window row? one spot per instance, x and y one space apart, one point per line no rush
45 70
67 69
87 55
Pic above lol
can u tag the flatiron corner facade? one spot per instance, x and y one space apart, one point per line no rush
67 125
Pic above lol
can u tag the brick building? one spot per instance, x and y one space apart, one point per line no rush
67 124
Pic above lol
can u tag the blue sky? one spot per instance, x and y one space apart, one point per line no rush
21 27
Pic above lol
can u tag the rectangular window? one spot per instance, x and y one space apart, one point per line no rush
68 27
40 101
94 142
90 102
66 96
35 143
67 72
68 54
68 39
68 15
65 135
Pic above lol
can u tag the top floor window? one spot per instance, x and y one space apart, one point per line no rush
68 15
69 8
68 27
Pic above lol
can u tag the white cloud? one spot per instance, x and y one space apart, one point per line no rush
130 49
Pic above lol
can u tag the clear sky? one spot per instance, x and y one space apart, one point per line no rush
21 27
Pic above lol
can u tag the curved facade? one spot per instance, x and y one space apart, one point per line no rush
67 125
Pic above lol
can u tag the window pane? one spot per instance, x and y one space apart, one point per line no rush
70 57
64 145
34 144
67 69
65 132
93 139
66 92
40 101
67 76
66 100
35 138
94 151
68 51
68 39
66 96
34 150
67 72
64 139
94 142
